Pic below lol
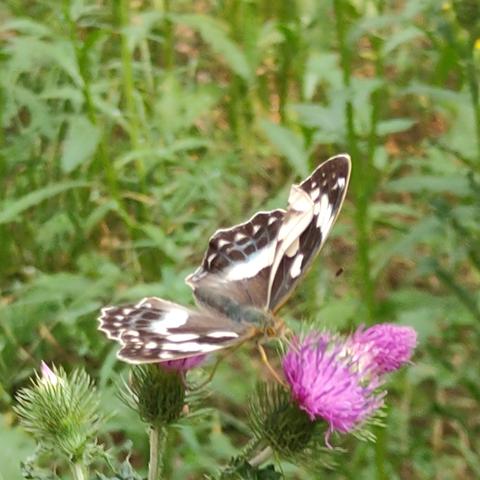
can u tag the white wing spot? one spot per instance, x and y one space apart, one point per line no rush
341 182
239 236
272 220
127 311
256 228
166 355
151 345
296 268
132 333
173 318
221 334
314 184
293 248
182 337
221 242
211 257
119 317
324 213
249 267
314 194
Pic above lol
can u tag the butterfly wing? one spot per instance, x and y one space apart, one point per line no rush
238 260
155 330
302 236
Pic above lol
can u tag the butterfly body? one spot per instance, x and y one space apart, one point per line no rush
232 309
247 273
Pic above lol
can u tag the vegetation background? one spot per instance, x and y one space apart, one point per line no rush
131 130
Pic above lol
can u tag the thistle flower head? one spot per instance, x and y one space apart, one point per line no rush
183 364
389 346
329 381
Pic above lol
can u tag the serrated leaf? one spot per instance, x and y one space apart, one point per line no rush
288 144
80 143
11 209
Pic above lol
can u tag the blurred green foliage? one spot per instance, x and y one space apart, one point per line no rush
131 130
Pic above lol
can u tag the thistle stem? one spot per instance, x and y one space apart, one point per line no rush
265 454
78 472
158 436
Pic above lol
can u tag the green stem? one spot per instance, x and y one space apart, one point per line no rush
121 13
78 472
361 171
249 448
158 437
264 455
380 447
169 49
472 79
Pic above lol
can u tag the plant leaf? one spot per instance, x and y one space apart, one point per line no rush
288 144
10 210
80 143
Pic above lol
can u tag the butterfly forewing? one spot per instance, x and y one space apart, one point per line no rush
155 330
238 260
326 188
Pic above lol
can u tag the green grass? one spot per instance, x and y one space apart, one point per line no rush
132 130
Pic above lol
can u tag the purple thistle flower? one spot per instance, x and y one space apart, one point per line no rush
328 382
389 346
183 364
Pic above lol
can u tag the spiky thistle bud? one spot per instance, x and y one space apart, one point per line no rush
61 412
157 394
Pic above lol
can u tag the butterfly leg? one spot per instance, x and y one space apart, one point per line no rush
264 357
214 369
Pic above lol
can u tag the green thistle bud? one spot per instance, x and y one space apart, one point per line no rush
277 420
157 395
61 412
467 13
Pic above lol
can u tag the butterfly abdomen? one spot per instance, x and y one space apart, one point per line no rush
230 308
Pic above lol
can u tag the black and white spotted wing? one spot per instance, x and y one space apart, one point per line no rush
239 259
248 271
326 188
155 330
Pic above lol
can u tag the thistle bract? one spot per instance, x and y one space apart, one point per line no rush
156 394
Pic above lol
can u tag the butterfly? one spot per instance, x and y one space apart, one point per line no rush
247 273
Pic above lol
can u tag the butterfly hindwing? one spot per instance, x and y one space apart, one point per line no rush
326 187
155 330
